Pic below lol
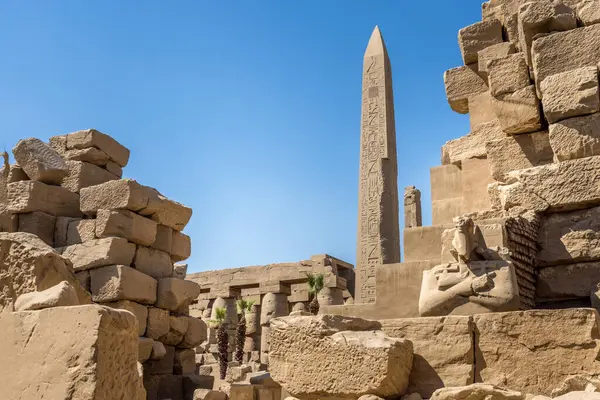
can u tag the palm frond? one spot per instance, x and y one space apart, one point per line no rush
220 314
315 282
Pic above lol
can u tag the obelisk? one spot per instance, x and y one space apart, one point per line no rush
378 239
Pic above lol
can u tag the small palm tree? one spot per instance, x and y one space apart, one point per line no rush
243 306
222 339
315 285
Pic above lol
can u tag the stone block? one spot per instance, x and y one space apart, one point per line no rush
173 293
30 196
180 271
158 323
461 83
565 282
40 224
172 214
472 145
61 295
153 262
566 238
480 109
508 74
83 277
571 94
475 179
81 230
122 194
577 137
82 174
347 342
114 168
140 311
242 392
164 238
444 211
444 351
99 253
588 12
61 227
185 362
480 391
192 383
423 243
178 326
39 161
477 37
125 224
565 51
518 112
498 50
162 366
196 333
92 138
9 222
446 182
158 350
518 152
119 282
16 174
512 347
50 353
181 248
144 348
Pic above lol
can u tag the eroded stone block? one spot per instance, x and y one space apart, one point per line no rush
81 230
164 238
125 224
577 137
40 224
472 145
518 112
92 138
478 36
39 161
158 323
461 83
181 247
173 293
82 174
153 262
99 253
30 196
119 282
507 74
588 12
567 281
498 50
140 311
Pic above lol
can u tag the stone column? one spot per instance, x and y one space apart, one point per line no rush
412 207
331 297
273 305
252 332
231 320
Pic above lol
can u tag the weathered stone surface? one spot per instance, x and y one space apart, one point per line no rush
588 12
476 178
185 362
171 213
178 326
273 305
471 145
82 174
195 334
16 174
566 238
29 265
462 83
91 155
30 196
158 350
144 348
499 50
125 224
347 342
511 347
83 277
164 238
181 248
567 281
478 36
480 109
571 94
83 352
180 271
566 186
122 194
40 224
518 152
518 112
153 262
99 253
443 347
476 391
140 311
507 74
517 194
119 282
173 293
579 396
61 295
39 161
577 383
61 227
80 231
92 138
208 394
158 323
164 365
565 51
576 137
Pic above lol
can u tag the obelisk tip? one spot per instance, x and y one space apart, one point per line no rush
376 44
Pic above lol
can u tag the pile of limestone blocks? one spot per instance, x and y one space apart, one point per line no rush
530 86
124 241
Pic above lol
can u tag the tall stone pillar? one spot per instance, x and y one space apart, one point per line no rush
378 226
272 305
412 207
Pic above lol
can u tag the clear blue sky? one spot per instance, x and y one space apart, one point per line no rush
246 111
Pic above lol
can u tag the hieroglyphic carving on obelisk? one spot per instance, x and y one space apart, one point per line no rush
378 226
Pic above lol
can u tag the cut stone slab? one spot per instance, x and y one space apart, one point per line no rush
164 238
178 326
61 295
566 238
92 138
588 12
567 281
122 194
347 342
518 112
577 137
565 51
40 162
571 94
30 196
173 293
99 253
510 347
27 264
444 351
181 247
462 83
476 391
471 145
125 224
145 348
90 155
40 224
140 311
477 37
114 168
499 50
153 262
82 174
82 352
80 231
171 213
507 74
158 323
119 282
196 333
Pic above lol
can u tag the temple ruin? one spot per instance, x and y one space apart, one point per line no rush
497 299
